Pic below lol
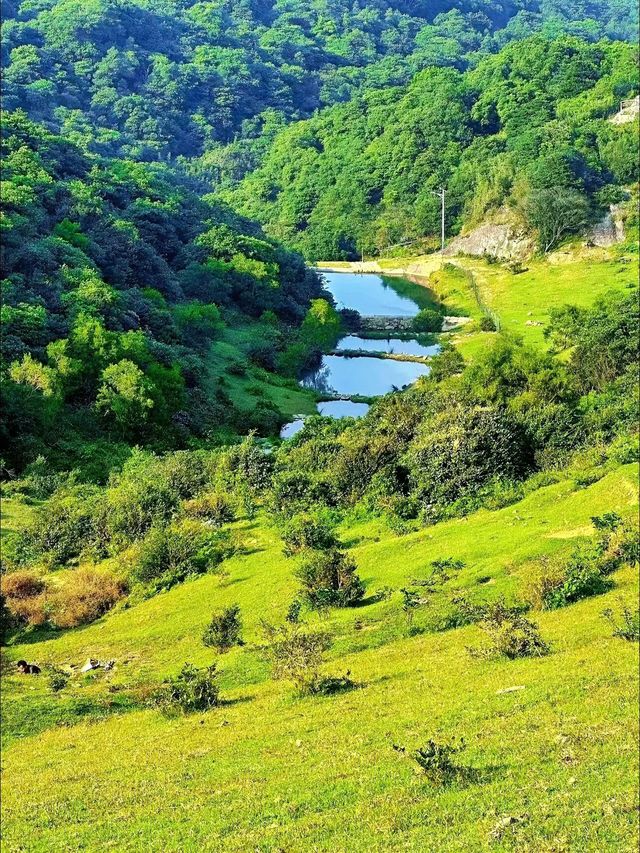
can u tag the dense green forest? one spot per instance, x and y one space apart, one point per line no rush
117 280
158 79
526 127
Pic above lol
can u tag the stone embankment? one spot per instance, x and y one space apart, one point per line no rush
405 324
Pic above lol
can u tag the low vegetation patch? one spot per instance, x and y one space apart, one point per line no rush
626 624
193 689
224 629
296 653
436 761
511 635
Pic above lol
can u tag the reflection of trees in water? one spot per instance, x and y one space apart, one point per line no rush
319 380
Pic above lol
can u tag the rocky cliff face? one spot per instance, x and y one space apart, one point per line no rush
610 229
629 111
502 240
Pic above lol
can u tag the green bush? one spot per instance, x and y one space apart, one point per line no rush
168 555
629 626
580 578
57 679
330 578
296 654
65 526
511 635
436 761
193 689
214 507
487 324
223 631
308 530
428 320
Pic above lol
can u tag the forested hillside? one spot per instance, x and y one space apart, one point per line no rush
117 281
526 128
158 80
244 606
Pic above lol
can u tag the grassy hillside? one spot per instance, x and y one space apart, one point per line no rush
265 769
550 742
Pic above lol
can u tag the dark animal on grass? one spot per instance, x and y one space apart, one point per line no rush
28 668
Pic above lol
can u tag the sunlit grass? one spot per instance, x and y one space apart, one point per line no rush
269 771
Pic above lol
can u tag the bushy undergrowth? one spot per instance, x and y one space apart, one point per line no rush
330 578
193 689
223 631
296 654
510 633
168 555
585 572
437 761
627 625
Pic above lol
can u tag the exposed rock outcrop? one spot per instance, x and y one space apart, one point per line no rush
628 112
502 240
610 229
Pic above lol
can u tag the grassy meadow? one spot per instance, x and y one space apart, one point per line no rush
268 771
550 743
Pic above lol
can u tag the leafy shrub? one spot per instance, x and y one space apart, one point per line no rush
193 689
511 634
38 481
223 631
560 585
307 530
215 507
435 760
330 578
487 324
141 497
293 611
448 362
85 595
411 601
57 679
266 418
584 573
296 654
64 526
328 685
629 627
170 554
427 320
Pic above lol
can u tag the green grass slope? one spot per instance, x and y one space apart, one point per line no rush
267 771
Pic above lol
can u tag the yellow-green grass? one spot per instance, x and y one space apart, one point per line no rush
14 515
523 302
269 772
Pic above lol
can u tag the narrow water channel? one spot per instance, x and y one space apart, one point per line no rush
352 375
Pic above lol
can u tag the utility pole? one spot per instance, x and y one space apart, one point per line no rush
441 194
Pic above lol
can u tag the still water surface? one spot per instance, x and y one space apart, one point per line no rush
390 345
371 296
363 375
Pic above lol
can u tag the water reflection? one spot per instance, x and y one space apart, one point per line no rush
329 409
389 345
363 376
343 409
369 294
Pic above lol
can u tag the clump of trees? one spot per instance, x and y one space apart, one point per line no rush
113 296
